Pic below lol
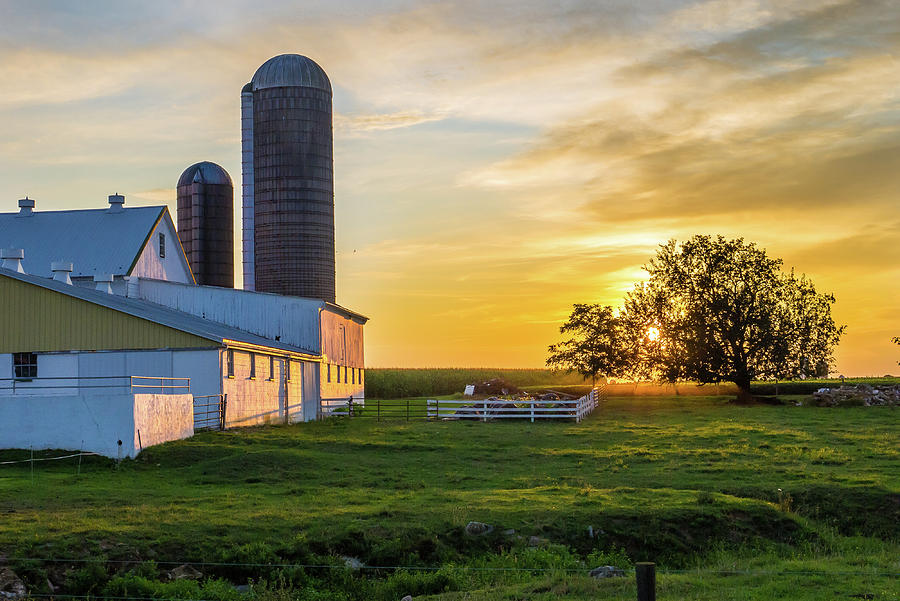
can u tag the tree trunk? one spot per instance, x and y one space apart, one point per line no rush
743 384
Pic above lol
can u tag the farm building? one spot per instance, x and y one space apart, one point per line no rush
108 342
74 342
112 242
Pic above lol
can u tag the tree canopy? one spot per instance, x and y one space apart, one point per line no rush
597 345
718 310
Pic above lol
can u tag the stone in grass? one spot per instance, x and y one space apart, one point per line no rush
184 572
478 528
352 562
607 572
407 598
11 587
537 541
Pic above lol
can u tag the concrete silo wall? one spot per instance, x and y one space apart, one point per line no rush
293 192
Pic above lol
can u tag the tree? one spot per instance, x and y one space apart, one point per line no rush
596 348
725 312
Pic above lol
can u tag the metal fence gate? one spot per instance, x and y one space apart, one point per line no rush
209 412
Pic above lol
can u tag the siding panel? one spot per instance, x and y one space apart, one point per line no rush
37 319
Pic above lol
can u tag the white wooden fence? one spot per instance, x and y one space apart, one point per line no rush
340 406
515 409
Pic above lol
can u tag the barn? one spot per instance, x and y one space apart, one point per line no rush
114 324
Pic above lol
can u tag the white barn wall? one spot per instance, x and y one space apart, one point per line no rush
94 422
267 398
173 266
291 320
159 418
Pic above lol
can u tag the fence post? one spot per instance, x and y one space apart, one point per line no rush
437 411
223 409
532 410
645 574
350 408
484 410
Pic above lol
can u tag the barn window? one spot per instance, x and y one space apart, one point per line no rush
338 368
252 366
345 374
287 370
328 372
229 361
25 365
162 245
271 368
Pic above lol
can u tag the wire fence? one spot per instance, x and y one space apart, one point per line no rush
464 568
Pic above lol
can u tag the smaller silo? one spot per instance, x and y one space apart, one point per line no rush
206 223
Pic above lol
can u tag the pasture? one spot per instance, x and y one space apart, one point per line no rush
759 502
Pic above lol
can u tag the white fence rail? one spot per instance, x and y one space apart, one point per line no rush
531 409
340 406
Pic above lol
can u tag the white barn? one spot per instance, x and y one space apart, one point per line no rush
276 359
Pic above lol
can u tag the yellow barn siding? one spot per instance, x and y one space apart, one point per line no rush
38 319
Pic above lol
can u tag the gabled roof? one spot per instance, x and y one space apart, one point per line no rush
96 241
185 322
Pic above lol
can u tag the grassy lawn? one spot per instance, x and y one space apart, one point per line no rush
688 482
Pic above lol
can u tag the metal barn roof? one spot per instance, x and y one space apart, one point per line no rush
178 320
96 241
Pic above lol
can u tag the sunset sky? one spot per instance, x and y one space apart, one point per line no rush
496 162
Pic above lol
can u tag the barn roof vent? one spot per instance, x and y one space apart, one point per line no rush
26 207
116 203
61 271
12 259
104 282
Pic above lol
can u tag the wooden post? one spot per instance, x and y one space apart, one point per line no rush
645 574
437 411
350 408
484 410
532 411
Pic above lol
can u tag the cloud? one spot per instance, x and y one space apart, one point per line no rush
378 122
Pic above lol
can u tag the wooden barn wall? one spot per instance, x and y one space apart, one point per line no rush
342 340
37 319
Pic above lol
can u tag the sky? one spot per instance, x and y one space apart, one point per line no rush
496 162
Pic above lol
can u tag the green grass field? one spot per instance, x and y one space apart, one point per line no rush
689 482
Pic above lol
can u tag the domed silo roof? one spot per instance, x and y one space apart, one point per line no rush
287 70
209 173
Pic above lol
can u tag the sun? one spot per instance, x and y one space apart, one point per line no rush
653 334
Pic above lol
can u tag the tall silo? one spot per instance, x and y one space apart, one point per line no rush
206 222
288 156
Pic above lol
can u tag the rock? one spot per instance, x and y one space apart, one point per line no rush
510 532
859 395
243 589
407 598
478 528
607 572
537 541
352 562
184 572
11 587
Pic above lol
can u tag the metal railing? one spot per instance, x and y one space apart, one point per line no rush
209 413
134 384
